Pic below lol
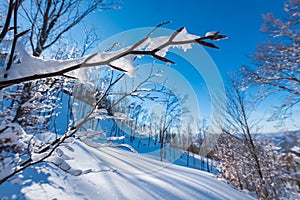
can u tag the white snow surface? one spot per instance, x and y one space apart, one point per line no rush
111 173
211 33
115 138
183 35
296 149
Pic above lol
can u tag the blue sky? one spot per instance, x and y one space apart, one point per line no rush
239 20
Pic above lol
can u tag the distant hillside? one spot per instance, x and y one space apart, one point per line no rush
284 142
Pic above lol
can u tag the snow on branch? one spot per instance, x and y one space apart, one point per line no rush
29 68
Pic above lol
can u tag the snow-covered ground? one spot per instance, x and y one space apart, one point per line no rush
117 174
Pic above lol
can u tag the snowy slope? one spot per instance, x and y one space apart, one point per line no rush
118 174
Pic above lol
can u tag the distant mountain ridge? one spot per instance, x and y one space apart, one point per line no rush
287 141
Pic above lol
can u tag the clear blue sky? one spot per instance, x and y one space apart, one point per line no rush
238 19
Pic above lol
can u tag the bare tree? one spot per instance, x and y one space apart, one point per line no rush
49 21
202 134
277 60
238 122
174 110
246 162
51 15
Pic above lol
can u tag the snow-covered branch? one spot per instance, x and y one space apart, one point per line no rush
29 68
